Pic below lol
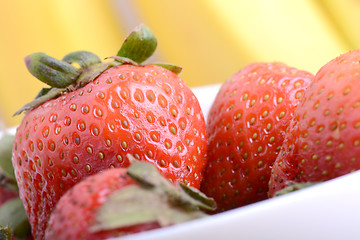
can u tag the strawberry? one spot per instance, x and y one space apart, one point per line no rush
93 116
323 139
13 220
118 202
246 128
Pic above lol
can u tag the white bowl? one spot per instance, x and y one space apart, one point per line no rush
329 210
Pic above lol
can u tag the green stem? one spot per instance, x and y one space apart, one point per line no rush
52 93
153 199
62 76
294 186
12 213
171 67
148 176
139 45
5 233
51 71
83 58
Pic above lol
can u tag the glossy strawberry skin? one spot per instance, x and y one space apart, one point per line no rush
323 140
76 211
246 128
143 110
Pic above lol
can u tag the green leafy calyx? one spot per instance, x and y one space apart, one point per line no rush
63 76
12 214
153 200
294 186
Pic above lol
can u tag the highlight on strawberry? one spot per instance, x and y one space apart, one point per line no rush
89 118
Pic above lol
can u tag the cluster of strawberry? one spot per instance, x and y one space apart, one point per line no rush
107 115
274 129
116 148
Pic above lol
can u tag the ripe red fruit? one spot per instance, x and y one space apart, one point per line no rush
246 128
145 110
76 210
323 141
111 204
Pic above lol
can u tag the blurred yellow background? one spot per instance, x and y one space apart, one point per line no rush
210 39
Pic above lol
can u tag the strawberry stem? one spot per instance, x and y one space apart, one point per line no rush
153 200
52 93
51 71
62 76
5 233
294 186
139 45
148 176
12 213
83 58
171 67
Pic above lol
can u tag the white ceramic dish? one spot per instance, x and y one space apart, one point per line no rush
326 211
330 211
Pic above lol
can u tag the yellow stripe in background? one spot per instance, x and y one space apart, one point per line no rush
191 36
210 39
344 15
294 32
56 27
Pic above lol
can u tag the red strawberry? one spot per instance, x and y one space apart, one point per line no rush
246 128
145 110
111 204
323 141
